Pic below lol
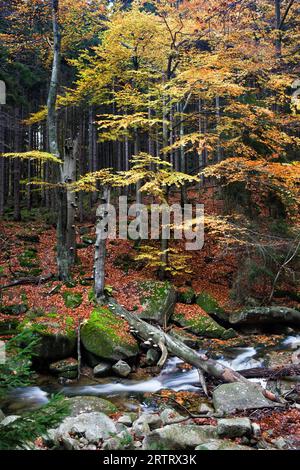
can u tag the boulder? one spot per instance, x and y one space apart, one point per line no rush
107 336
121 368
179 436
92 426
80 405
228 398
67 368
201 324
9 420
218 444
158 300
102 369
186 295
55 342
168 415
152 357
126 420
234 427
146 423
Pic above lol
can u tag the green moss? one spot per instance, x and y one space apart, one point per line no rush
106 336
208 303
186 296
204 326
16 309
158 300
72 300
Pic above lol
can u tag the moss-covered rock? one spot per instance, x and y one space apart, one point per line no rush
158 300
208 303
67 368
15 309
107 336
186 295
79 405
72 299
55 342
202 325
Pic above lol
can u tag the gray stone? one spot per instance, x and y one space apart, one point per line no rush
234 427
205 408
102 369
79 405
69 443
93 426
152 357
121 368
67 368
256 431
228 398
218 444
126 420
9 420
280 443
169 415
178 436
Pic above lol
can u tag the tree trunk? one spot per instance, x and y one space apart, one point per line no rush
100 245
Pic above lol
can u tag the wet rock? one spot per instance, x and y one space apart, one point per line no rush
178 436
121 368
218 444
67 368
126 420
228 398
102 369
168 415
93 426
158 300
234 427
152 357
9 420
106 336
80 405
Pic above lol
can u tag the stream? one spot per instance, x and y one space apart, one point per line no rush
129 394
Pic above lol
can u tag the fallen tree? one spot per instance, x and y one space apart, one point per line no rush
156 337
266 316
28 280
290 370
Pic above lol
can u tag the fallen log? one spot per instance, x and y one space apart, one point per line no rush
265 316
155 335
28 280
290 370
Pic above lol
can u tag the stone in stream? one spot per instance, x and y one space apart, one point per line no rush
158 301
179 436
168 415
146 423
67 368
107 336
102 369
234 427
79 405
218 444
228 398
92 426
121 368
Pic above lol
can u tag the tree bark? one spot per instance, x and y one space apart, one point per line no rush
100 245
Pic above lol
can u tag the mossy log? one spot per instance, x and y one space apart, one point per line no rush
154 335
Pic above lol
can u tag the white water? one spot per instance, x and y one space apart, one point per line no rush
171 377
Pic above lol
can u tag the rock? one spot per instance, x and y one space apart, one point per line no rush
69 443
72 299
217 444
205 408
152 357
158 301
80 405
102 369
178 436
279 443
54 342
146 423
121 368
67 368
2 416
126 420
186 295
93 426
9 420
256 431
113 443
106 335
190 340
168 415
234 427
228 398
16 309
208 303
201 324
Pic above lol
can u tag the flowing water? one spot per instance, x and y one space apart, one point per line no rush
171 377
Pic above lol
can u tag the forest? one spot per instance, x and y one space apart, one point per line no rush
149 225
